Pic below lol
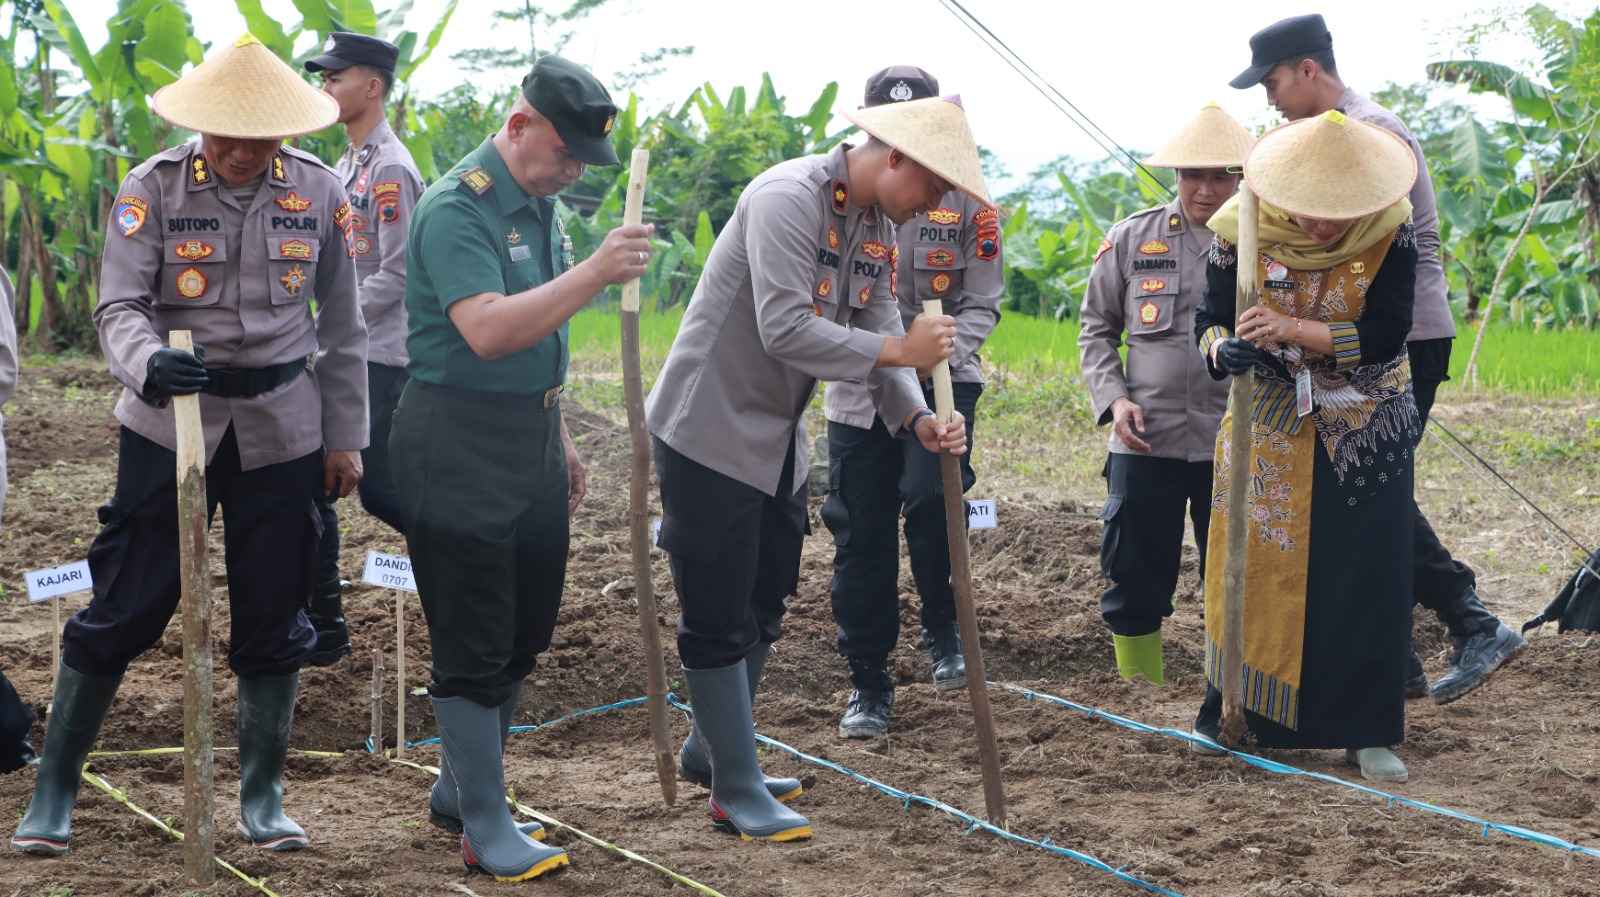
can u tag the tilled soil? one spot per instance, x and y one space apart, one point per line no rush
1524 750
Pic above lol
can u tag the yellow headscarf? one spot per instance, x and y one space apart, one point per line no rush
1282 239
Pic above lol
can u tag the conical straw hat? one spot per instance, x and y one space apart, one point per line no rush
1211 139
933 132
245 91
1331 166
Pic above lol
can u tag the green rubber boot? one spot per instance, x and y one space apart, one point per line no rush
1140 655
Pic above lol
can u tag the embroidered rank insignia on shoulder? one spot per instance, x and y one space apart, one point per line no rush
386 188
294 202
825 288
277 168
941 258
943 215
1154 247
833 238
1174 224
841 195
1152 284
1149 313
130 214
191 283
294 280
198 171
477 180
1105 247
940 282
193 250
987 221
874 249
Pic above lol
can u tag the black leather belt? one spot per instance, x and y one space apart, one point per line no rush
244 383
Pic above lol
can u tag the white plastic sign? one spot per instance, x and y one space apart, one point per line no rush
391 571
980 514
56 581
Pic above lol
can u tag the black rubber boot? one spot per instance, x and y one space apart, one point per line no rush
871 704
490 842
944 649
694 764
326 612
1416 678
266 711
76 712
739 798
444 801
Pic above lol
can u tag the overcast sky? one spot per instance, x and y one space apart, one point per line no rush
1136 69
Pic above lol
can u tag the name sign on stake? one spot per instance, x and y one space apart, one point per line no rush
56 581
391 571
980 514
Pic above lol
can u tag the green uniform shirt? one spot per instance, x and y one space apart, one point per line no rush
476 231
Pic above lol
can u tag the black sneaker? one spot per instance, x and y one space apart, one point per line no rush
333 635
1474 660
868 714
944 649
1416 679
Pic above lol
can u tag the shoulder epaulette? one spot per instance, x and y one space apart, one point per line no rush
475 181
303 156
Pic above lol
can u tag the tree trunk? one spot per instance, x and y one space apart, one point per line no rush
45 266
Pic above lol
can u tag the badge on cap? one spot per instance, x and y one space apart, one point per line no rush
200 174
1152 284
1149 313
1154 247
825 288
611 121
193 250
130 214
943 215
328 47
477 180
295 249
941 258
833 238
191 283
900 92
987 222
294 202
840 196
874 249
294 280
941 282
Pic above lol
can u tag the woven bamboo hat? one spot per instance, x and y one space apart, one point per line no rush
933 132
244 90
1211 139
1331 166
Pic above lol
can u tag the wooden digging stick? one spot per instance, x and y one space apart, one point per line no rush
400 673
955 516
638 502
1234 726
199 785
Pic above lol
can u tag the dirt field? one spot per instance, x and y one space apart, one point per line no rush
1525 750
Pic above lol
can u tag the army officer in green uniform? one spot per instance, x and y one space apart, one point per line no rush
487 471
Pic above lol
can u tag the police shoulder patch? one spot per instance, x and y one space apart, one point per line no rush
386 188
987 222
1105 247
477 180
841 195
278 172
130 214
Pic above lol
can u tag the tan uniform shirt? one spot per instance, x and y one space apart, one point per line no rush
1430 314
383 185
1148 278
953 254
796 290
8 369
182 254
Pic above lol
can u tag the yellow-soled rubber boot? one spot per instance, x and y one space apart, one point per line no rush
1140 655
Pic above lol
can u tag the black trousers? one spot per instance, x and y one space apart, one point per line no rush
734 553
1438 579
270 528
1142 545
16 719
377 491
871 477
484 480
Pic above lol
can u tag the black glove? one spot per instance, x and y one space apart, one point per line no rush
174 372
1236 355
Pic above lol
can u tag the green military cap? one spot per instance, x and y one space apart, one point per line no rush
577 104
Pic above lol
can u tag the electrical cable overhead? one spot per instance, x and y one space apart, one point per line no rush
1054 97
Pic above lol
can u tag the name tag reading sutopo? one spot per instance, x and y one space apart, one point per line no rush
391 571
57 581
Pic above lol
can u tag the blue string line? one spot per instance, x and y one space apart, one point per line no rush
907 798
1284 769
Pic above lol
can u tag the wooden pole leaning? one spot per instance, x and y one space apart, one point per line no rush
199 781
399 673
955 515
639 505
375 701
1235 729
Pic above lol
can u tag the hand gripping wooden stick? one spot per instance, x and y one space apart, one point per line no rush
638 502
199 786
1234 726
955 515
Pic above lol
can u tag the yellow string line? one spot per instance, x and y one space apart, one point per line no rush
623 852
120 797
156 752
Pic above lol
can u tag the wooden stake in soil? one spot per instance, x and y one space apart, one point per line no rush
199 785
375 696
638 502
955 514
400 673
55 646
1234 727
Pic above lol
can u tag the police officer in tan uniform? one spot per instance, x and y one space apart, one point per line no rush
797 289
950 253
232 238
1149 276
383 186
